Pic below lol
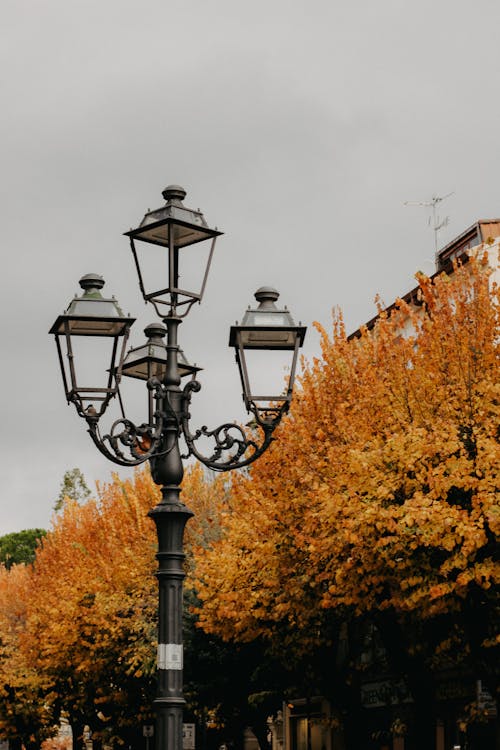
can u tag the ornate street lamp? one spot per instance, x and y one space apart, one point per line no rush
91 315
150 361
263 329
172 230
174 227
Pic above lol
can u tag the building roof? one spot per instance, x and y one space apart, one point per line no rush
484 230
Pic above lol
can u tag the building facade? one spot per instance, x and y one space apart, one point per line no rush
386 706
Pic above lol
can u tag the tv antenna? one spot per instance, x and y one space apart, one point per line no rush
437 222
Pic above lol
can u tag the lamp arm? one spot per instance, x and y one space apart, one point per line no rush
142 441
228 436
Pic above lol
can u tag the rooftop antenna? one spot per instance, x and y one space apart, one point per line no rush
437 222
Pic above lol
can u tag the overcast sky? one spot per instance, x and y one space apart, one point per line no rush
299 128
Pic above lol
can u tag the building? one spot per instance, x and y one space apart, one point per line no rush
386 705
483 235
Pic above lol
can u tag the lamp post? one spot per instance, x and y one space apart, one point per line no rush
167 234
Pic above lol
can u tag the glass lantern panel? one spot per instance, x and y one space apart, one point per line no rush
153 262
144 368
147 350
160 219
188 215
268 373
101 308
150 360
91 363
170 213
256 318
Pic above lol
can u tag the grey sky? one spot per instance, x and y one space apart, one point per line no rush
299 128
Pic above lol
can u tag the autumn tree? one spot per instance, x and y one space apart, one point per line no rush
24 719
89 608
229 687
379 500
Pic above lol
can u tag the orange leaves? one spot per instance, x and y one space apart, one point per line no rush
81 623
22 712
381 489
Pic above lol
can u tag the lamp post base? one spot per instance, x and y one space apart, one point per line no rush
169 720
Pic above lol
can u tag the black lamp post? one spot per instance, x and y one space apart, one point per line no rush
172 229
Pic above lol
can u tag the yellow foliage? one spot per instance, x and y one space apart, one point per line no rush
381 491
79 627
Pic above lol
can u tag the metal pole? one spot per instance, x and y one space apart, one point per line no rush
170 517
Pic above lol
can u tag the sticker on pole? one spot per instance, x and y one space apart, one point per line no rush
188 742
170 656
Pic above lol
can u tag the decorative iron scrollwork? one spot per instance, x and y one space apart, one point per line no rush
234 446
243 446
142 441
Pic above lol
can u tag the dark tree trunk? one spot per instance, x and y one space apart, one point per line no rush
354 731
400 647
261 733
424 729
77 729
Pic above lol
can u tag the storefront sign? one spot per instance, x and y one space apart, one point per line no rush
384 693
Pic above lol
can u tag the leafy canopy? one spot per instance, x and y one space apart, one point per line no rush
20 546
381 492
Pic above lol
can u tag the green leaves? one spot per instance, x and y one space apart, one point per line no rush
20 546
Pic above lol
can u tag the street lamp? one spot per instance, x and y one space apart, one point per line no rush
172 230
90 315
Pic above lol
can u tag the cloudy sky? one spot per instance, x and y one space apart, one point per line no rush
299 128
